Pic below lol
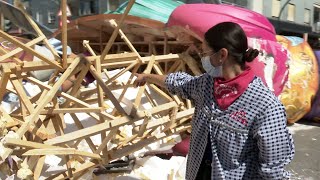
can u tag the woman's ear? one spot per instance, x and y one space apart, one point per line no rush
223 55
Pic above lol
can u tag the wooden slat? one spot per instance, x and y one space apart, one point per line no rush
17 50
124 151
111 60
38 31
83 167
88 47
113 78
192 64
39 167
116 30
107 126
21 93
72 110
90 131
127 85
124 37
80 126
17 60
115 154
60 151
107 91
4 80
105 141
77 84
35 115
26 144
68 97
137 100
64 33
29 50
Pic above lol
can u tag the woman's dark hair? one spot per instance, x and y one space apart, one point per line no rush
231 36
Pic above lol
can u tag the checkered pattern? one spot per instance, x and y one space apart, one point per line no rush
257 149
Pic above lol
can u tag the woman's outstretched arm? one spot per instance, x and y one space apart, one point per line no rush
142 79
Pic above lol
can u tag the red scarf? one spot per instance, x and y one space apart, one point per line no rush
226 92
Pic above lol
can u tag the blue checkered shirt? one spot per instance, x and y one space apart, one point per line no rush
249 140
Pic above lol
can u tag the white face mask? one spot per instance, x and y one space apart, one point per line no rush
211 70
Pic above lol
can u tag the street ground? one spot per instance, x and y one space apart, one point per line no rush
306 162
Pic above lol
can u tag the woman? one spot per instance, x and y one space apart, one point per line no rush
239 126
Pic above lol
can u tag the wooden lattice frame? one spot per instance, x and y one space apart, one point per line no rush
39 122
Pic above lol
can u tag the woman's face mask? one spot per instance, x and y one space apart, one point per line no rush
211 70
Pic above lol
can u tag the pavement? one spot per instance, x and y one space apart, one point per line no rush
306 162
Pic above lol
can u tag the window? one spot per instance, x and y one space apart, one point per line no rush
39 17
51 18
275 8
258 6
242 3
291 12
316 18
307 16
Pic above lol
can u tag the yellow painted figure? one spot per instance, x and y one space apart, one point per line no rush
302 84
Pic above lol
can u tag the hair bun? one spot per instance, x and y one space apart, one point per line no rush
250 54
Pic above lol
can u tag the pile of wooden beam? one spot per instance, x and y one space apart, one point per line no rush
37 128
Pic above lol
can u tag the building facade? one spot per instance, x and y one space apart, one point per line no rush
299 12
48 12
292 17
289 17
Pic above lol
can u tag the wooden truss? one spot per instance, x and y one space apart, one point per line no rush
39 124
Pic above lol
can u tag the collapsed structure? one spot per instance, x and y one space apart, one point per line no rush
92 124
37 127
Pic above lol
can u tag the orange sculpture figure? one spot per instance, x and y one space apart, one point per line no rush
302 84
